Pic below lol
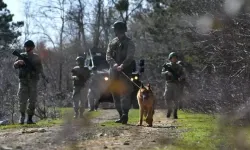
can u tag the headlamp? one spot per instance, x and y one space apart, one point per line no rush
132 79
106 78
136 78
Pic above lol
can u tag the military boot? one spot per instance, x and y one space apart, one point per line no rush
81 112
175 114
90 110
124 118
22 118
76 115
119 120
30 121
169 113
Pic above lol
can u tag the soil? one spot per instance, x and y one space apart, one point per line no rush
89 134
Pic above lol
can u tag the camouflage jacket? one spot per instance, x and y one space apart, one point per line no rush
83 74
25 72
121 52
177 71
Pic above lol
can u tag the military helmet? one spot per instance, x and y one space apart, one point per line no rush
80 59
172 54
29 43
120 25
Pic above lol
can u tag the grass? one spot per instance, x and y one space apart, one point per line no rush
63 113
203 131
198 132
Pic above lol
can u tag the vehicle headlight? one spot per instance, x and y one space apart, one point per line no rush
136 78
106 78
132 79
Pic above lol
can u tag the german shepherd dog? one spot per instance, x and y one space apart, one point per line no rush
146 101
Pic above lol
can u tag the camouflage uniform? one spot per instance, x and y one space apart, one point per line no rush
121 51
94 91
82 73
27 91
172 86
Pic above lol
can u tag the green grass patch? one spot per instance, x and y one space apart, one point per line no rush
41 123
199 132
133 119
62 114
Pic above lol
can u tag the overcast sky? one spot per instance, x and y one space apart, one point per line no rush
16 8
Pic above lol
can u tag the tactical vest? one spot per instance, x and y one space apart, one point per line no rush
119 54
83 73
174 69
25 72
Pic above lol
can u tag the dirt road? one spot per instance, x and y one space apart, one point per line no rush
91 135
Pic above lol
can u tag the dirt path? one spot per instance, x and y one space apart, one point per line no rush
86 135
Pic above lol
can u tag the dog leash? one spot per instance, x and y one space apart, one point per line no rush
130 80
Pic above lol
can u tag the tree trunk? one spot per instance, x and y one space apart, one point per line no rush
61 47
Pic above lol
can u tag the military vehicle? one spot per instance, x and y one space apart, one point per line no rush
96 58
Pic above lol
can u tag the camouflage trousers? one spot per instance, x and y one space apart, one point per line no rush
93 97
172 95
122 89
27 93
79 98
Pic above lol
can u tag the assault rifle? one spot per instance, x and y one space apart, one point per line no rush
29 65
26 60
91 58
176 77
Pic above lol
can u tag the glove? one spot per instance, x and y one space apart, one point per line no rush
75 78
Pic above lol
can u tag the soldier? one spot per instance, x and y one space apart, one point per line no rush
80 75
93 92
119 55
28 80
174 75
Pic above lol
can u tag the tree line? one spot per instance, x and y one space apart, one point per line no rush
211 38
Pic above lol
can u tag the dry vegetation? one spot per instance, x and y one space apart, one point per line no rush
211 37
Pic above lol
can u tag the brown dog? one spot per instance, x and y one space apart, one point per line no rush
146 101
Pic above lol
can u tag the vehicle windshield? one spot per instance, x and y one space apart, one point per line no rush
100 62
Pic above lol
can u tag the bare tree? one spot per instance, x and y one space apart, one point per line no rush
97 22
27 14
123 7
56 11
76 15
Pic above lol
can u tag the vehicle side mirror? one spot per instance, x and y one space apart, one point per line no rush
141 64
